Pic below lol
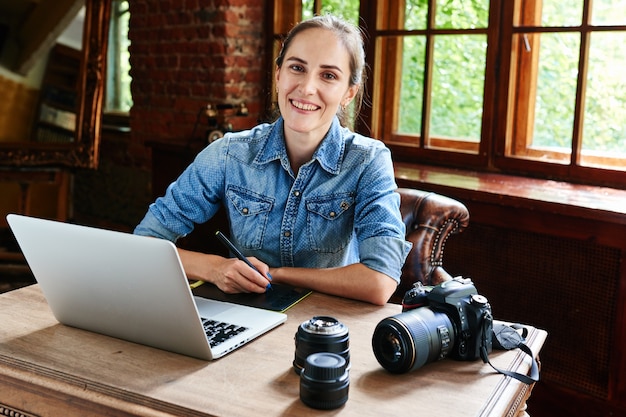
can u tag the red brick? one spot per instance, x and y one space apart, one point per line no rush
185 53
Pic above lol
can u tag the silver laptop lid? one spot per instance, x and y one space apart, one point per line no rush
127 286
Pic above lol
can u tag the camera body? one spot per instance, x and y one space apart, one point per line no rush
460 301
450 319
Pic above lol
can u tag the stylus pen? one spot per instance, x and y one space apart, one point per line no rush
222 237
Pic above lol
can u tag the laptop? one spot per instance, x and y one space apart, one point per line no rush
133 288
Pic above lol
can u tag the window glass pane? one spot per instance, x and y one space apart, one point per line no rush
118 96
608 12
556 91
462 14
562 13
549 13
347 9
604 129
415 15
457 86
412 87
308 9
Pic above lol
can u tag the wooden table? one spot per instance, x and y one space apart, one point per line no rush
49 369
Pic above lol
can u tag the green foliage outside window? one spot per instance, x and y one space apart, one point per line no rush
347 9
459 72
605 104
605 107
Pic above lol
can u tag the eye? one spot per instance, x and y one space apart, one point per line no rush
296 68
329 76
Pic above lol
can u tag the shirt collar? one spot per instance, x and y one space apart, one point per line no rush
329 154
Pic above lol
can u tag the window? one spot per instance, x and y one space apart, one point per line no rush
528 87
564 91
118 96
429 73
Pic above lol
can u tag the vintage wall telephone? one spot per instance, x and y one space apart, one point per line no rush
217 119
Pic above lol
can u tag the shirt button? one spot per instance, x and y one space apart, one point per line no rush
245 210
287 234
332 214
296 193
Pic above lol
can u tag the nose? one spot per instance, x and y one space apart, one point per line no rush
308 84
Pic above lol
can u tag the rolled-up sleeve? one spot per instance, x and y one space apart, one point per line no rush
151 226
385 254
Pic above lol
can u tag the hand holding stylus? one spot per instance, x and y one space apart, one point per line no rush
240 255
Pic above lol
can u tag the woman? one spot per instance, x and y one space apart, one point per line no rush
309 202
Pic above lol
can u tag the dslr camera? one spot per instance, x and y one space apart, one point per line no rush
450 319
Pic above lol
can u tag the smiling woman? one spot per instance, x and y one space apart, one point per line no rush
311 91
309 202
319 71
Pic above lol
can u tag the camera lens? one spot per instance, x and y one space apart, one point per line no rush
321 334
324 381
409 340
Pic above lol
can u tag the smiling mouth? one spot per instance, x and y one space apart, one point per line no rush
303 106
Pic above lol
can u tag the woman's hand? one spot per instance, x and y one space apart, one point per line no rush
230 275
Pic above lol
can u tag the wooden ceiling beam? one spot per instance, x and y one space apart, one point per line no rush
41 29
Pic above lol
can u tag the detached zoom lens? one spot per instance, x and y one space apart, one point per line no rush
409 340
320 334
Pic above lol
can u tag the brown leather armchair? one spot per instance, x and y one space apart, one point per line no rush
430 220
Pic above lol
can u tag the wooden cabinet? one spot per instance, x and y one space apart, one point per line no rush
33 185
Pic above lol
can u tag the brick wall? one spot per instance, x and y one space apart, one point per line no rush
186 53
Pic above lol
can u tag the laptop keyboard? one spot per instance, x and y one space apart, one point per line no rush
218 331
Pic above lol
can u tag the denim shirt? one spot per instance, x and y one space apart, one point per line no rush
339 209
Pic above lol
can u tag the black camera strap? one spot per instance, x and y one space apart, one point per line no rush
507 337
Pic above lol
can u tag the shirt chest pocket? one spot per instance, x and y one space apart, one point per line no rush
330 222
249 213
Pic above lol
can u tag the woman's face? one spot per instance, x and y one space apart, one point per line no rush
313 82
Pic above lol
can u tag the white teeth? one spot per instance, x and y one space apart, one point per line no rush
302 106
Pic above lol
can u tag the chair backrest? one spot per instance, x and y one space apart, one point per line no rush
430 218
